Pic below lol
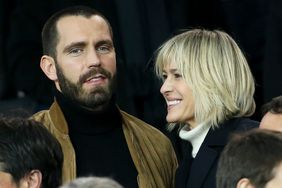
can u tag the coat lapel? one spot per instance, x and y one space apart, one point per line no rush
208 155
183 170
202 166
58 118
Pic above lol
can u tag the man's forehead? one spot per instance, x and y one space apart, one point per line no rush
76 19
72 24
75 27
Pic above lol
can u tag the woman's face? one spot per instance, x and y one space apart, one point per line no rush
178 96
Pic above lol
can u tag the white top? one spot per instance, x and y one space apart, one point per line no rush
196 136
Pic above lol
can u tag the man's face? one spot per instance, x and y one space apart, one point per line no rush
86 61
272 122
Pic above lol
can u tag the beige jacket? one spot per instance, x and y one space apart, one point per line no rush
151 151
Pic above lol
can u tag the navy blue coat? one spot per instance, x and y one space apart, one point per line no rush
200 172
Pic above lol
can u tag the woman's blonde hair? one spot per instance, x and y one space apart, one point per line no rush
216 70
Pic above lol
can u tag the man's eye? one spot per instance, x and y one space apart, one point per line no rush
103 49
75 51
164 76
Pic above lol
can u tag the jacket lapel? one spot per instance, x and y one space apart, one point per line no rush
208 155
182 173
58 119
201 166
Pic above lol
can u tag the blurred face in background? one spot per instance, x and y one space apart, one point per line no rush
276 181
271 121
6 180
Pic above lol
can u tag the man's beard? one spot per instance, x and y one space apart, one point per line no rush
95 99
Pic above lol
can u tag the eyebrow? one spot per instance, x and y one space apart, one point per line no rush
107 42
172 70
72 45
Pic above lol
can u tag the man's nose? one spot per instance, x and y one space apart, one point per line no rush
93 59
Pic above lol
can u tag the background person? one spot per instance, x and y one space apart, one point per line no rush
30 156
272 115
251 160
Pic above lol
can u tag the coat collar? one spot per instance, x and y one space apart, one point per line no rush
220 135
211 148
207 155
58 118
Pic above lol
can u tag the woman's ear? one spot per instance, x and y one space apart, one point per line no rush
48 66
244 183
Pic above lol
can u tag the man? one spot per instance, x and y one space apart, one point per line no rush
272 115
96 136
251 160
30 157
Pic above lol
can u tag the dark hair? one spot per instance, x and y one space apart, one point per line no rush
274 106
27 145
50 35
253 155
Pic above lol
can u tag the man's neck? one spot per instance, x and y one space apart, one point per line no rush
81 119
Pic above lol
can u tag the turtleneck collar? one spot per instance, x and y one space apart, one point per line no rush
81 120
196 136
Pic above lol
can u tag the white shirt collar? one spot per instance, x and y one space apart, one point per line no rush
196 136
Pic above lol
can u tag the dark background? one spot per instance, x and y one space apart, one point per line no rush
140 26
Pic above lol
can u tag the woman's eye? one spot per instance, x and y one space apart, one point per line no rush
164 76
177 75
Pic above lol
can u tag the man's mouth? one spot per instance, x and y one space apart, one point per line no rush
96 78
95 75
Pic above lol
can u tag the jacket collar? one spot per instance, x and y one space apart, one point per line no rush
209 152
58 118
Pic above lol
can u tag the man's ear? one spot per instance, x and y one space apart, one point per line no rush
47 64
244 183
33 179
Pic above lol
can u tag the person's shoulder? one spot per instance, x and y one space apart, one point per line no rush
43 117
38 116
137 123
245 124
45 114
142 127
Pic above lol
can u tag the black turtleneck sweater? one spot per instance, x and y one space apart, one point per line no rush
99 142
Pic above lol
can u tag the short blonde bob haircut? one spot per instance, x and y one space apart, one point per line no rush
214 67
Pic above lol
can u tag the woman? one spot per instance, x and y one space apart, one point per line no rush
208 88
